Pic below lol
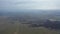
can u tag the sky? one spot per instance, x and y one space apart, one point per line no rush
30 4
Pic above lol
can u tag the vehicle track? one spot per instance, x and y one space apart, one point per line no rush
17 28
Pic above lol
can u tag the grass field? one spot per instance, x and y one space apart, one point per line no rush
24 29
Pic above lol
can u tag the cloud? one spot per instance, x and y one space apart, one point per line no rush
30 4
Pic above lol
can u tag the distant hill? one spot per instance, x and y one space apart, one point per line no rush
43 14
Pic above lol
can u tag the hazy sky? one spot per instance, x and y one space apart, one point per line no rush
30 4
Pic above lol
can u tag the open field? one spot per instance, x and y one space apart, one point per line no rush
24 29
12 25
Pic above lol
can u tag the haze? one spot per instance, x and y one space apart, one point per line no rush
30 4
